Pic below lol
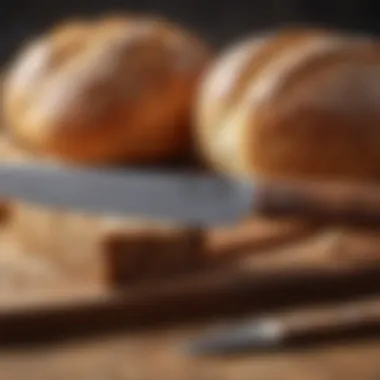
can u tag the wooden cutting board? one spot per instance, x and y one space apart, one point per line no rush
120 354
178 280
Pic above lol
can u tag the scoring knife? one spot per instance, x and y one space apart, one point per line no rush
189 198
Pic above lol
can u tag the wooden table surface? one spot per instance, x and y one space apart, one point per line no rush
158 356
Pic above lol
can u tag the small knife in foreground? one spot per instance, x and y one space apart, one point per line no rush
195 199
300 326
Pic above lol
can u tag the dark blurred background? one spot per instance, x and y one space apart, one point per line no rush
218 21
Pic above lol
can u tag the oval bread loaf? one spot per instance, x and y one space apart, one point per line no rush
295 103
109 90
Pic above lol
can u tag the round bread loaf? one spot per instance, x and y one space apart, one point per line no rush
294 103
108 90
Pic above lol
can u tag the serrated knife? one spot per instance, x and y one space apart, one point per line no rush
189 198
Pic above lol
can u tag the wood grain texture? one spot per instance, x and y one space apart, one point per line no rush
155 355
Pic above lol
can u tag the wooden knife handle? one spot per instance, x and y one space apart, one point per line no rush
336 202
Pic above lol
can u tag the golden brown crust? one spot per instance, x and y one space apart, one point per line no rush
106 90
227 80
326 128
311 109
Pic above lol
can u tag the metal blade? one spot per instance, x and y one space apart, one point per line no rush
187 198
261 334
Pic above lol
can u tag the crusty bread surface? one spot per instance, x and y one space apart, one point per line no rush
106 90
294 103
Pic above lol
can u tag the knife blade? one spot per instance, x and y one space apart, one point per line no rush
189 198
179 197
